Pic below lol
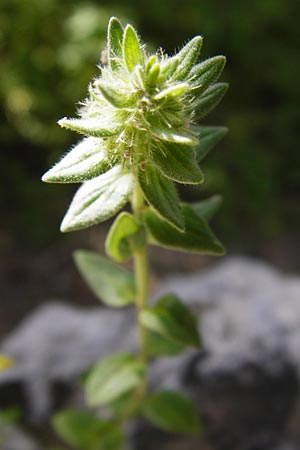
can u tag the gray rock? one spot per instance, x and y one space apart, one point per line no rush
12 437
56 343
249 313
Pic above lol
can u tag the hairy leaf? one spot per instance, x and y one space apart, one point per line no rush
196 238
168 68
209 99
188 56
208 138
83 162
118 98
92 127
131 48
114 43
177 135
161 194
98 199
178 162
172 92
205 73
110 283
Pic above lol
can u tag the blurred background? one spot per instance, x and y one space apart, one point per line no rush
49 51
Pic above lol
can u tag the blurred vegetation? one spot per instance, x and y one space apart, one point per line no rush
49 50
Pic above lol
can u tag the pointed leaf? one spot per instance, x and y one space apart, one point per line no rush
207 208
115 96
161 194
92 127
84 431
187 56
172 92
171 134
209 99
208 138
178 162
98 199
205 73
110 283
168 68
114 43
172 320
172 412
197 237
112 377
124 236
83 162
131 48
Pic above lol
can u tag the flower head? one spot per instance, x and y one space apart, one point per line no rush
139 122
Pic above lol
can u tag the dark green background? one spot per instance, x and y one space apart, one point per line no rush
49 50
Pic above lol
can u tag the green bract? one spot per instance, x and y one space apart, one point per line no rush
139 125
140 138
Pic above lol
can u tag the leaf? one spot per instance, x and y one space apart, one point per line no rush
209 99
131 48
172 320
115 96
172 92
98 199
84 431
208 138
124 236
112 377
161 194
83 162
187 56
157 345
197 237
128 405
205 73
110 283
172 412
207 208
168 68
171 134
153 75
178 162
92 127
114 43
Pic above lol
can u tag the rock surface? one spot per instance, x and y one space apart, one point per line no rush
245 381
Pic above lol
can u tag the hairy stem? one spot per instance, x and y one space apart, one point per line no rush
141 275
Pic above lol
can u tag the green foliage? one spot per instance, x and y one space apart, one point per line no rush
125 235
172 412
172 320
84 431
196 238
111 284
113 377
139 120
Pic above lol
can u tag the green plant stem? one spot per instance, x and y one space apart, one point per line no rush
141 275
